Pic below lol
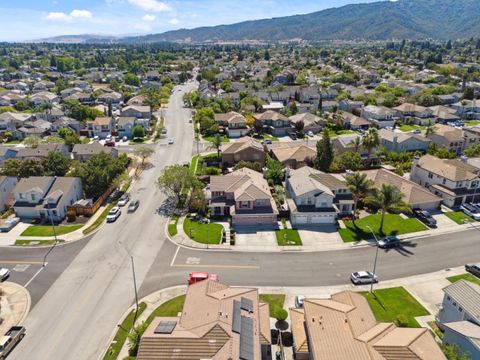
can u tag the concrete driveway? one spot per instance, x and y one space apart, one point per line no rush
320 236
253 238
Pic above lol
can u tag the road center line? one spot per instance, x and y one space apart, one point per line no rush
175 256
33 277
217 266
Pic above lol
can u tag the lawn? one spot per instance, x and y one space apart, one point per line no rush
391 304
472 122
170 308
459 217
47 230
393 225
275 302
193 164
223 139
466 276
121 335
203 233
261 137
288 237
411 127
333 133
98 221
37 242
172 226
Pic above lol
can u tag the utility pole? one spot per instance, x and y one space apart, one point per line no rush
375 262
135 288
55 236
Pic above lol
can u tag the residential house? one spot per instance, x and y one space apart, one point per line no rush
46 197
233 123
125 125
346 143
43 97
82 97
7 184
137 111
38 128
245 196
101 127
8 98
245 149
6 153
351 121
420 115
443 114
448 136
10 122
69 123
111 97
152 75
344 327
471 136
464 334
40 151
449 99
381 116
217 322
314 197
83 152
274 123
310 122
293 155
401 142
455 181
350 105
469 109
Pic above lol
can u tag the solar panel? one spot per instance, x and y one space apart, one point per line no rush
237 319
165 327
247 304
246 339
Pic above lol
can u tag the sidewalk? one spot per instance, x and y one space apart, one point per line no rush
15 305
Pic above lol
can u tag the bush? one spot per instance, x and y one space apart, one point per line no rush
281 315
71 216
401 321
212 171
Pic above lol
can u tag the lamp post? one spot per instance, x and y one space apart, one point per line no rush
54 244
375 262
135 287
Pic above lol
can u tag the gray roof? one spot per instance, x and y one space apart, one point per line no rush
39 182
90 149
467 295
467 329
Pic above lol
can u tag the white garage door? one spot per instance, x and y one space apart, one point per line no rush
300 219
323 219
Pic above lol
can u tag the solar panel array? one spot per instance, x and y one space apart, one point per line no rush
247 304
246 339
165 327
237 319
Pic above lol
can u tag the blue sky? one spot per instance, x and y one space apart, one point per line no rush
34 19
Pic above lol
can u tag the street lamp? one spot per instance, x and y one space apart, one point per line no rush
55 236
135 287
375 262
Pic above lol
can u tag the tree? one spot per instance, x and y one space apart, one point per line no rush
248 164
274 173
349 161
11 167
197 202
258 126
138 132
360 187
299 125
217 143
226 85
143 152
56 164
32 141
324 152
370 140
453 352
30 167
388 198
357 143
134 338
173 179
132 79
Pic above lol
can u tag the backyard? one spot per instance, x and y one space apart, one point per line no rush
47 230
393 225
203 233
287 237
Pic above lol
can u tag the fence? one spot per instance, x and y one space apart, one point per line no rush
80 210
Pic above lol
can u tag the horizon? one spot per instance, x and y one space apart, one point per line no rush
30 20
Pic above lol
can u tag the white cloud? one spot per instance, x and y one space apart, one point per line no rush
151 5
81 14
57 16
174 21
148 17
75 14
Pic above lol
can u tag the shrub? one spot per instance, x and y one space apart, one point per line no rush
401 321
281 315
71 216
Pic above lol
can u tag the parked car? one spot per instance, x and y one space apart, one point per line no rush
4 274
9 224
416 131
170 141
124 139
123 200
195 277
425 217
11 338
114 214
471 210
293 136
299 301
389 242
267 142
134 204
310 133
114 195
164 130
110 143
473 269
363 277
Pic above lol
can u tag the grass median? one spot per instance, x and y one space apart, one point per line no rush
20 242
172 226
467 277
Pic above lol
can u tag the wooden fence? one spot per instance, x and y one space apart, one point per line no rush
88 211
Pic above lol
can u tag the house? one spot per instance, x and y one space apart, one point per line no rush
464 334
83 152
217 322
137 111
469 109
69 123
234 123
40 151
344 327
294 156
420 115
245 196
447 136
401 142
443 114
45 197
314 197
274 123
381 116
84 98
125 125
455 181
101 127
43 97
349 105
111 97
10 122
7 184
346 143
413 194
38 128
245 149
152 75
310 122
7 152
351 121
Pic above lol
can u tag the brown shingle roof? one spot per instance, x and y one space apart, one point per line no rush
451 169
270 115
240 145
298 153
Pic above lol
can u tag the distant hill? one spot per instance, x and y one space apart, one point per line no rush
385 20
78 39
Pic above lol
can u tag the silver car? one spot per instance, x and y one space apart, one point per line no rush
363 277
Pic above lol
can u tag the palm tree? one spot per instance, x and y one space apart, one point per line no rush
357 143
370 141
388 198
217 143
360 187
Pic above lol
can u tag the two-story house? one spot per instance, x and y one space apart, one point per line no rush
244 149
10 122
381 116
455 181
401 142
40 151
83 152
137 111
233 123
245 196
101 127
46 197
126 124
449 137
293 155
420 115
310 122
7 184
274 123
314 197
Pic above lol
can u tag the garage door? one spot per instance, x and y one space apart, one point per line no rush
300 219
323 219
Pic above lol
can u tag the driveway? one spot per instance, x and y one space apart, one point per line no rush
320 236
251 238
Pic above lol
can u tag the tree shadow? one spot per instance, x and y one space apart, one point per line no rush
281 325
287 339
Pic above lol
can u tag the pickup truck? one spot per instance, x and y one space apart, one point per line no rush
11 338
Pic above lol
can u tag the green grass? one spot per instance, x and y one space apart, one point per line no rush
472 122
172 227
37 242
203 233
389 304
459 217
393 225
194 163
411 127
275 302
170 308
122 332
86 140
223 139
333 133
261 137
47 230
466 276
13 142
288 237
98 221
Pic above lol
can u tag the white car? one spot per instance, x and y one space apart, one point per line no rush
363 277
4 274
114 214
310 133
170 141
299 301
123 200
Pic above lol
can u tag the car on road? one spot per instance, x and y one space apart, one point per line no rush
473 269
11 338
170 141
363 277
299 301
124 199
134 204
113 214
471 210
4 274
425 217
416 131
195 277
389 242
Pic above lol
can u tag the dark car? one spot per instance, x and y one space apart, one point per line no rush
473 269
389 242
293 136
425 217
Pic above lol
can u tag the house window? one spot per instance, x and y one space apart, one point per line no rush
324 204
460 309
309 201
244 204
33 197
430 175
454 303
444 181
21 196
448 298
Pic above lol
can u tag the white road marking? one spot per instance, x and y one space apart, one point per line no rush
175 256
192 261
21 267
33 277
